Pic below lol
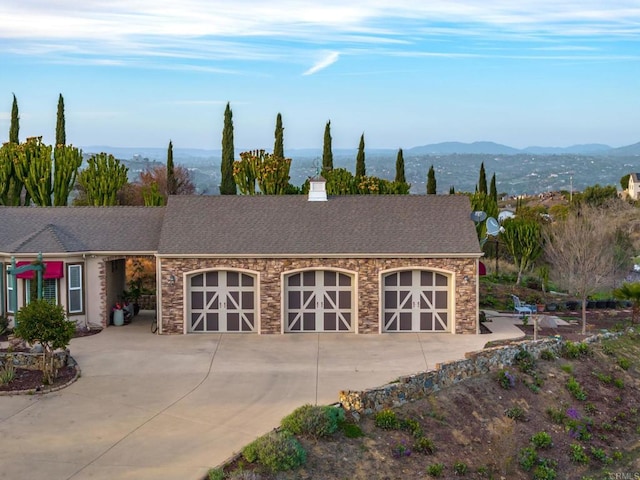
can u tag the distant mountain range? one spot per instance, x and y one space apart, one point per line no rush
445 148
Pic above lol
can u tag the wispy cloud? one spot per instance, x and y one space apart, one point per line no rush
329 59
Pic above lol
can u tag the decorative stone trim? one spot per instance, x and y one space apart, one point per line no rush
46 389
33 361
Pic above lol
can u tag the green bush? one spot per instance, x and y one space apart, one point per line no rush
424 445
515 413
541 440
317 421
624 363
525 361
544 472
527 458
506 380
215 474
577 453
276 451
45 323
4 324
435 469
576 390
7 374
547 355
386 419
574 350
351 430
460 468
411 426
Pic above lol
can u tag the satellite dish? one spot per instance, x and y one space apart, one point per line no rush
493 227
478 216
504 214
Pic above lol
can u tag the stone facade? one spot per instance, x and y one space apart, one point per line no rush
33 361
365 271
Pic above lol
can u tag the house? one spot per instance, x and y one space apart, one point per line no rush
634 186
266 264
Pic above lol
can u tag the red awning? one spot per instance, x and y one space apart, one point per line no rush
482 269
52 270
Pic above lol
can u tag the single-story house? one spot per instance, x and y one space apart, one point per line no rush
264 264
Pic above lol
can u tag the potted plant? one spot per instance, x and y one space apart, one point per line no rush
537 301
133 294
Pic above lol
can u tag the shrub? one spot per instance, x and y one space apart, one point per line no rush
577 453
541 440
544 472
506 379
604 378
317 421
215 474
624 363
547 355
618 383
351 430
557 415
4 324
567 368
400 450
424 445
435 469
576 390
527 458
45 323
412 426
590 408
599 454
574 350
525 361
608 348
7 374
276 451
386 419
516 413
460 468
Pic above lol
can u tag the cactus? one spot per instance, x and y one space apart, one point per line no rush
33 168
152 196
271 173
66 162
102 179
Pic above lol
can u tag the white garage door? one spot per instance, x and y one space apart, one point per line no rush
319 301
222 301
415 301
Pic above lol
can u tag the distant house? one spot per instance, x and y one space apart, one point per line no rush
634 186
264 264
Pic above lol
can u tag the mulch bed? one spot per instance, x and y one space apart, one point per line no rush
32 380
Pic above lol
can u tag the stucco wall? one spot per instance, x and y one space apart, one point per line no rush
269 272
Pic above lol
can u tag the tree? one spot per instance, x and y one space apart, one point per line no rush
630 291
624 181
33 168
278 146
101 181
581 251
271 173
361 169
172 187
227 185
14 127
10 186
452 190
597 195
493 190
67 160
61 136
143 190
327 154
45 323
431 181
523 240
482 180
400 178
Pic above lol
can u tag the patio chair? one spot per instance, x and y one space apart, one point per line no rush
522 308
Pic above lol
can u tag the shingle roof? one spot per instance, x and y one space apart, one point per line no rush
291 225
79 229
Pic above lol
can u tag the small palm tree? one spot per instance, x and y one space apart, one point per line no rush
630 291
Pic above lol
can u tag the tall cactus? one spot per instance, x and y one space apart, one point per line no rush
270 172
102 179
152 196
66 162
33 168
6 172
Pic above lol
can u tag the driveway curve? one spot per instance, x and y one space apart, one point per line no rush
170 407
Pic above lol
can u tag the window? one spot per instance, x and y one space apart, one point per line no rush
2 294
49 290
11 299
74 289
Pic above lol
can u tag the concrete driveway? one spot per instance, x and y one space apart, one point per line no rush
170 407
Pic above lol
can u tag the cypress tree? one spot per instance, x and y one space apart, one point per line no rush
361 169
14 128
493 191
400 178
482 181
172 187
452 190
61 136
431 181
278 146
228 184
327 154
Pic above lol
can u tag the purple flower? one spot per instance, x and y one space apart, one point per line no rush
573 413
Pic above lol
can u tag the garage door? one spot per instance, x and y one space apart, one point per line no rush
415 301
319 301
222 301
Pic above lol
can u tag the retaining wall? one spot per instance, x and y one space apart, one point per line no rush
32 361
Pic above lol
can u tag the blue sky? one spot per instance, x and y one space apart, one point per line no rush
404 72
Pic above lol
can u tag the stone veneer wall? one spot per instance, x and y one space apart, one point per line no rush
270 270
415 387
32 361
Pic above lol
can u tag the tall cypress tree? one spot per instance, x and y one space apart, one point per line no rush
228 184
327 153
482 181
172 187
431 181
61 136
278 146
400 178
14 128
452 190
361 169
493 191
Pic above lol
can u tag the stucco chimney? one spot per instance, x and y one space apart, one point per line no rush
317 189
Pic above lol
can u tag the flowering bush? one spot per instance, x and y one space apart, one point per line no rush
506 379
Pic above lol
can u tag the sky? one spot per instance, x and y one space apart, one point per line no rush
403 72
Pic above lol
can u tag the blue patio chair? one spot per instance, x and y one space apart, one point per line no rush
522 308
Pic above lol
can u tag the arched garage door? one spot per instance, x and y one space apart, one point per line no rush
222 301
319 301
415 301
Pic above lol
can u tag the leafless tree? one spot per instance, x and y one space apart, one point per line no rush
584 251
